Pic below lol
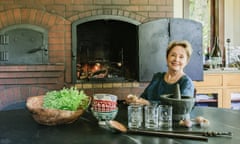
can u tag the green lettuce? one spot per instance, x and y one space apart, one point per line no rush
66 99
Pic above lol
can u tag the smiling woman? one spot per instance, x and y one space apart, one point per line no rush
177 55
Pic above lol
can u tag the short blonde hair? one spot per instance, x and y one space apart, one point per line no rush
185 44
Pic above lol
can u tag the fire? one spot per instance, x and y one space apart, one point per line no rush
96 67
87 71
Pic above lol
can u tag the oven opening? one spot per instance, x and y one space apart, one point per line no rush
107 50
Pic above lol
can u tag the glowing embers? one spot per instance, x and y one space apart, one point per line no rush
99 70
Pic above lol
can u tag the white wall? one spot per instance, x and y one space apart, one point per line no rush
178 8
232 21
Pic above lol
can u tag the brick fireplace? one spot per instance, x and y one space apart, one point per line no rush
17 82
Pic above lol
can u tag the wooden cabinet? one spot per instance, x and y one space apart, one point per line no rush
221 83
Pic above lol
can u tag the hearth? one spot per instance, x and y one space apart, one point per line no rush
106 51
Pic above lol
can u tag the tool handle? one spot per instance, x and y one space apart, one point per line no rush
203 133
213 133
169 134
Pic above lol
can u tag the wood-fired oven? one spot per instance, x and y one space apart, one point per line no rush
23 44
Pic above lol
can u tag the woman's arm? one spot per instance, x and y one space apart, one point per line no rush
137 100
152 88
186 86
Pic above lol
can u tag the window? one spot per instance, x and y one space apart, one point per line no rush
199 10
211 14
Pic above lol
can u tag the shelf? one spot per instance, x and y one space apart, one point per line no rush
206 101
207 104
235 100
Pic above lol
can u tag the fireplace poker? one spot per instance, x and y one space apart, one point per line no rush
170 134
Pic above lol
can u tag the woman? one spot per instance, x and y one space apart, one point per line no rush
178 55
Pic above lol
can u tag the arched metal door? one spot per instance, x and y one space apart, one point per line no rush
154 37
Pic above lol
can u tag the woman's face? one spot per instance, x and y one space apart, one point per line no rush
177 59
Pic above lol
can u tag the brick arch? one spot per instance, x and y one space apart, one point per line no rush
114 12
30 16
59 31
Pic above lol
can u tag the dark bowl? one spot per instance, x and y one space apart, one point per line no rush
180 106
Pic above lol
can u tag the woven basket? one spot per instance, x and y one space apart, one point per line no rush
50 116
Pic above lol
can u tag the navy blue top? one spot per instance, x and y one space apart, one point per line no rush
158 86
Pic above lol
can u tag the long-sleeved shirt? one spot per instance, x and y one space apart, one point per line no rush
158 86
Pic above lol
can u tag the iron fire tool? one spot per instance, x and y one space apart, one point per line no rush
193 135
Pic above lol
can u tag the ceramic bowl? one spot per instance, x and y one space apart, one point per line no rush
103 105
105 97
181 107
103 117
104 102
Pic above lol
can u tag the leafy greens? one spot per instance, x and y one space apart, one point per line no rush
66 99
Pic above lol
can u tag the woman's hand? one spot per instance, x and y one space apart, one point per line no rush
134 99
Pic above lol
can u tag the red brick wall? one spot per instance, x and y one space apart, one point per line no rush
56 16
19 82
